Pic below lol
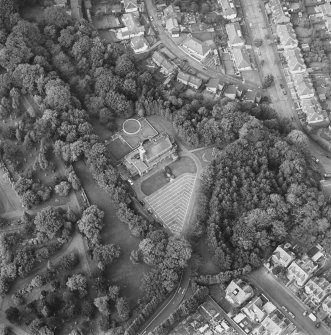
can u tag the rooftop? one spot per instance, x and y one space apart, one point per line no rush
286 34
241 58
234 33
199 47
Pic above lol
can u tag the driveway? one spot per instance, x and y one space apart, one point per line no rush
280 296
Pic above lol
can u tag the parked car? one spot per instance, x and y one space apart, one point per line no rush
142 202
281 85
291 315
130 182
305 313
284 92
315 159
317 324
284 308
327 175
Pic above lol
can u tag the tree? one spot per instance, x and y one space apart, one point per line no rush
258 42
113 292
105 254
63 189
124 65
78 283
57 95
122 308
102 304
298 138
49 221
268 81
56 16
4 330
13 314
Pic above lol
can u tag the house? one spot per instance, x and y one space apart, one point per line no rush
295 61
303 86
159 59
255 309
189 80
238 292
274 324
315 116
230 92
139 44
301 270
234 33
130 6
212 85
76 9
326 305
250 96
241 59
196 48
283 255
287 36
172 27
183 77
228 9
317 254
279 15
194 82
60 3
172 11
132 27
317 288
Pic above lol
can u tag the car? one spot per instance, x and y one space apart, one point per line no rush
327 175
305 313
291 315
142 202
130 182
281 85
284 308
204 68
149 211
315 159
284 92
317 324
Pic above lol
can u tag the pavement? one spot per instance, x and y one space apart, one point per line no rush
281 296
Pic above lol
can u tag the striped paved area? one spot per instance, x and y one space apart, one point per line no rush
171 202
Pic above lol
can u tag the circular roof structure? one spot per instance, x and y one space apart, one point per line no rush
131 127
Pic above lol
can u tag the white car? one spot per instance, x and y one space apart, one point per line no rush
291 315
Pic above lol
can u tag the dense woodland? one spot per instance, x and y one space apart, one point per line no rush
261 189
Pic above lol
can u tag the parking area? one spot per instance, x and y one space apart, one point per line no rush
170 203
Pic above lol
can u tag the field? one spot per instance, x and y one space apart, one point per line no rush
158 179
118 148
122 272
9 200
171 202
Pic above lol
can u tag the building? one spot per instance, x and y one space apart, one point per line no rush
196 48
283 256
159 59
228 9
312 109
132 28
238 292
172 11
301 270
317 288
326 305
212 85
274 324
295 61
130 6
150 153
172 27
230 92
250 96
189 80
241 59
303 86
279 15
234 33
60 3
287 36
139 44
317 254
76 9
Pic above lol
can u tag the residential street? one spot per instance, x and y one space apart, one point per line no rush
281 297
170 305
173 47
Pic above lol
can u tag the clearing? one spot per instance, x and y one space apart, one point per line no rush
9 200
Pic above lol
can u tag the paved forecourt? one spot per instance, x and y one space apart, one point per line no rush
171 202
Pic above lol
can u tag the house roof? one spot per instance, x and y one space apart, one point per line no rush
326 8
303 85
213 83
283 256
172 24
241 58
139 42
183 76
230 89
239 291
158 58
195 81
294 59
286 34
234 33
228 7
130 4
278 12
76 9
131 21
312 109
250 96
171 11
196 45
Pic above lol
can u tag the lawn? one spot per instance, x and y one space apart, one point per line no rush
158 179
9 200
118 149
122 272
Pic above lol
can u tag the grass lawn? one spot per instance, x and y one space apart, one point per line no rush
118 149
158 179
9 200
127 275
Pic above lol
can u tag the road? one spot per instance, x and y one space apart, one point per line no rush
174 48
170 305
280 295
